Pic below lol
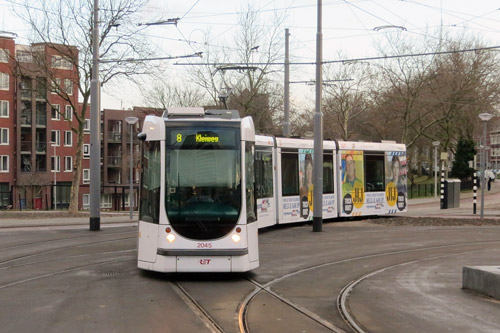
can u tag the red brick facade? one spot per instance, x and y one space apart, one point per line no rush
39 123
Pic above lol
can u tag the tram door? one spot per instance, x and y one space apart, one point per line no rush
264 186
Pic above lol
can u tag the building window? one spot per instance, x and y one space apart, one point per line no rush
68 138
56 84
4 109
126 200
86 201
4 56
61 63
86 150
68 112
86 176
4 136
24 56
4 163
56 112
106 200
4 81
86 126
68 163
55 137
55 163
68 86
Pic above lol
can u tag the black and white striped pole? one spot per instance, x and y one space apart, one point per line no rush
474 189
442 184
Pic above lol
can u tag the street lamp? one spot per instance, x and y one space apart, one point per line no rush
436 145
131 121
54 144
485 117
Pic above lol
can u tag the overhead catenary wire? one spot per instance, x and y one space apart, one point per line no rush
385 57
104 61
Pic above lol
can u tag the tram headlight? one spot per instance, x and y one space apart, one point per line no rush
170 238
236 238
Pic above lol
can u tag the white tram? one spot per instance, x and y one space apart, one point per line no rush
209 183
359 179
197 209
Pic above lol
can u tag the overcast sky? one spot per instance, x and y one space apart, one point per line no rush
348 28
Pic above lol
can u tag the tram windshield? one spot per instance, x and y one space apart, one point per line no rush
203 180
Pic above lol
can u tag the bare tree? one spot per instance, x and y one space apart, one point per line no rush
404 80
438 97
164 94
250 89
345 98
463 85
65 26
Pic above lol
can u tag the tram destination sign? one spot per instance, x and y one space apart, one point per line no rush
201 136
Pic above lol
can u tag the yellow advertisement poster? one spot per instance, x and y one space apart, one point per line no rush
353 192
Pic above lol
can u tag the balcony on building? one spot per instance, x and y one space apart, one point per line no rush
26 141
41 88
25 147
114 176
115 161
26 114
26 163
41 163
41 114
114 131
26 88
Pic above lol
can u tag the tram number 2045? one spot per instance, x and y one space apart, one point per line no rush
204 245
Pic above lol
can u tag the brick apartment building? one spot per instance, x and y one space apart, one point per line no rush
37 145
116 156
493 142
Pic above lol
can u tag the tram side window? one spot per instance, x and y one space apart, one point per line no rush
290 173
149 210
264 173
374 173
250 182
328 186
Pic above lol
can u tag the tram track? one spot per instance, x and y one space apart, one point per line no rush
62 239
38 253
243 310
344 293
343 296
13 263
51 274
196 308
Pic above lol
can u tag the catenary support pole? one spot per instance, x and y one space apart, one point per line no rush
318 132
286 121
131 179
131 121
95 129
483 170
436 145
